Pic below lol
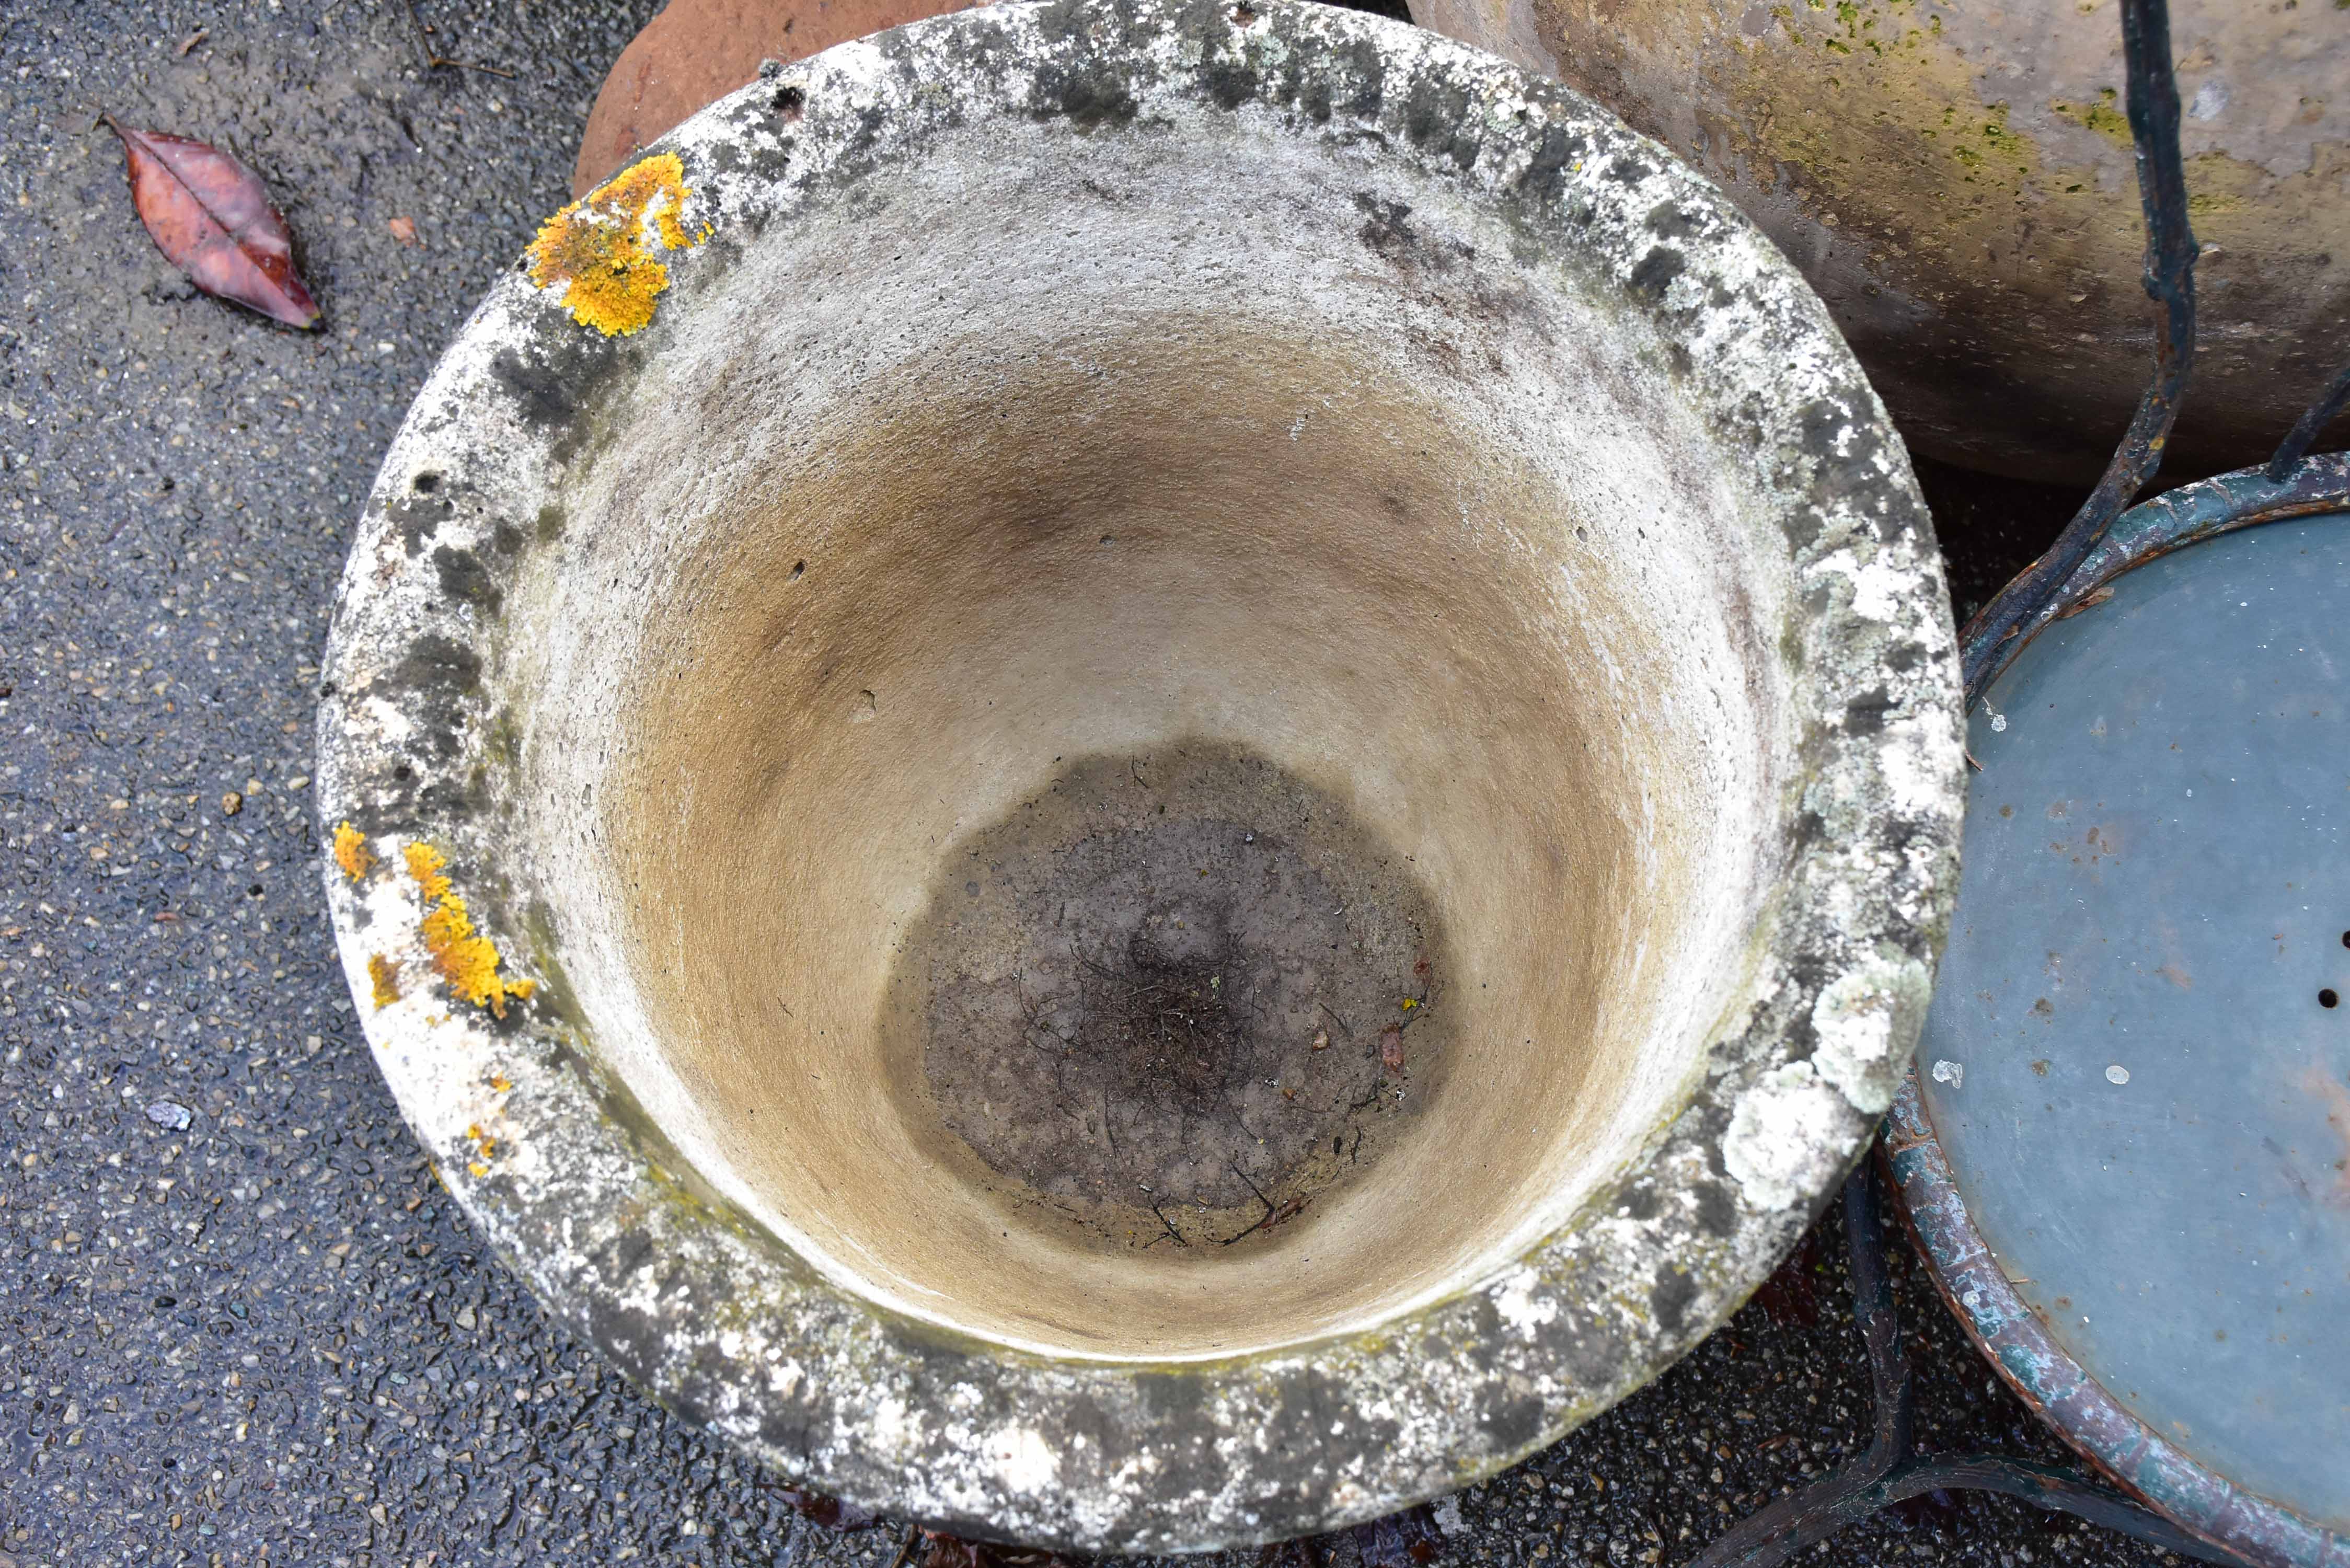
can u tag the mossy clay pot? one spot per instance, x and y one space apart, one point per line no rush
1957 179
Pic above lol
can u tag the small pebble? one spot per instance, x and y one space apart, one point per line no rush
164 1114
2117 1074
1951 1073
231 803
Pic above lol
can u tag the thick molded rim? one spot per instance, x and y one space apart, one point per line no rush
714 1317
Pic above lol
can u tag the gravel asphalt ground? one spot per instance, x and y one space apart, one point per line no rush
239 1323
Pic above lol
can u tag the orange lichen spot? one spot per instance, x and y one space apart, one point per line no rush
384 974
500 1083
425 864
477 1167
599 250
468 961
351 852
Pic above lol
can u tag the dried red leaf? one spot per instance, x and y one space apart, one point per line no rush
403 229
1391 1048
941 1550
211 215
829 1511
1788 1297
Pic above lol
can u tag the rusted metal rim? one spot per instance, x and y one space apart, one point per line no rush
2172 520
2098 1427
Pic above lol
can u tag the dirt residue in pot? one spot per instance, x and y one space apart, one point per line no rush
1174 998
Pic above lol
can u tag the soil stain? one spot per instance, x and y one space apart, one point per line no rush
1163 999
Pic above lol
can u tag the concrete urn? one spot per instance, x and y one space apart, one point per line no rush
1143 776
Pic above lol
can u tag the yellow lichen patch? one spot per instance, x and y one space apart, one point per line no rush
384 975
468 961
351 852
425 864
485 1149
2105 117
598 250
2219 186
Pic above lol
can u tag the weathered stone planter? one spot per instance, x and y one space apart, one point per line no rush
1209 780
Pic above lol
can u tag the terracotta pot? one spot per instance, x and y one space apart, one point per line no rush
1956 180
697 51
1142 775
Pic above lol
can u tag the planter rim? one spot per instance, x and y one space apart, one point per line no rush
719 1321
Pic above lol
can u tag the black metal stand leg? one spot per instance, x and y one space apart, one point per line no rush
2323 413
1890 1471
